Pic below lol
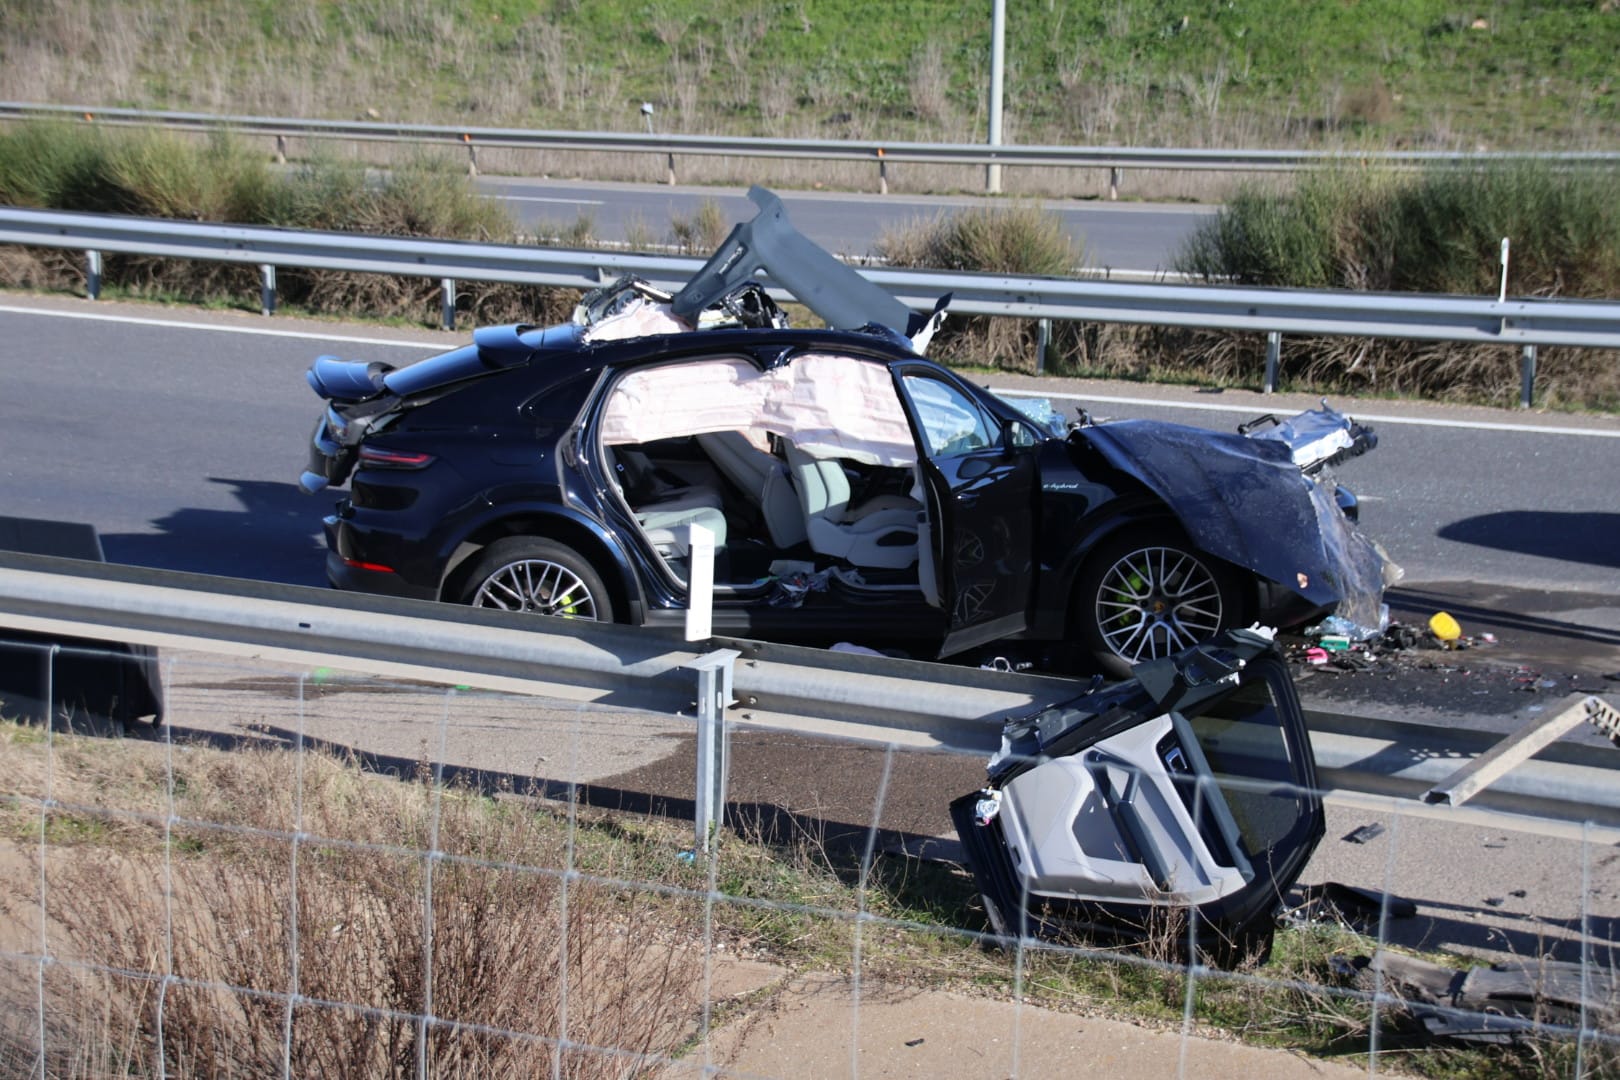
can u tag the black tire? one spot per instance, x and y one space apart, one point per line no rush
1147 594
525 573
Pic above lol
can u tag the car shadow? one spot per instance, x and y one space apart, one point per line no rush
274 536
1579 537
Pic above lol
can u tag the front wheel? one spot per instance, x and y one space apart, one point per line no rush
525 573
1143 596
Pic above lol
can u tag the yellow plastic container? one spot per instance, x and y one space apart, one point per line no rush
1444 626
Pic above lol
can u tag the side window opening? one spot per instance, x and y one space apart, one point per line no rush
804 468
1242 737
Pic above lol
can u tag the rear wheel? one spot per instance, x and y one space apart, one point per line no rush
525 573
1147 595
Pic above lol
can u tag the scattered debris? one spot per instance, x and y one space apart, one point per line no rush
915 1042
1363 833
1496 1004
1347 905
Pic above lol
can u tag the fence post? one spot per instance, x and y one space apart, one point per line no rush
1527 377
715 671
447 303
1273 361
267 289
92 274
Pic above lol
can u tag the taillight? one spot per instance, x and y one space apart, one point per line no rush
378 457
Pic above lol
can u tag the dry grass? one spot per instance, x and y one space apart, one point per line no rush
309 921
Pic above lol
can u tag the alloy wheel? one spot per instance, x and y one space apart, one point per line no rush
1155 601
537 585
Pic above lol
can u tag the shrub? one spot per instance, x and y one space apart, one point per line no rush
1433 232
1020 239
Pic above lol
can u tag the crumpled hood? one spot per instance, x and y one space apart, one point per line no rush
1240 499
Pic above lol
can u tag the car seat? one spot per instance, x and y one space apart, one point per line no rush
880 533
763 478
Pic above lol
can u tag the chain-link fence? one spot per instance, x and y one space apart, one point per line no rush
308 872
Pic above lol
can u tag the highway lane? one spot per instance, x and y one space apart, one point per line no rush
180 442
1139 238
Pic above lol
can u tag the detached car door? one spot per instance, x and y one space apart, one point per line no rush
1189 789
981 484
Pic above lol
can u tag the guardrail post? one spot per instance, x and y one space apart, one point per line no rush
1114 177
715 671
92 274
1273 361
1527 377
281 149
472 156
671 170
1043 338
883 173
447 303
267 289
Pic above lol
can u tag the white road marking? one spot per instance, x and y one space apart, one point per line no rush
544 199
305 335
177 324
1252 410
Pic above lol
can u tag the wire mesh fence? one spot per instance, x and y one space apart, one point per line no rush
311 871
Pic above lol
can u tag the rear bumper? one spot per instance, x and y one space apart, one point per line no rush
347 568
344 574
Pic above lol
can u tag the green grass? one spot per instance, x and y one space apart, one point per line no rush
1220 72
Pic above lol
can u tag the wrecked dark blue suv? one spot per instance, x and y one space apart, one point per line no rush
855 490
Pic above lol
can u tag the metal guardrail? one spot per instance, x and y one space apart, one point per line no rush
879 152
874 698
1520 323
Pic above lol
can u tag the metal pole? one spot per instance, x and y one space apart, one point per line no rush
699 583
447 303
267 288
998 48
1043 338
92 274
1527 377
1273 361
714 696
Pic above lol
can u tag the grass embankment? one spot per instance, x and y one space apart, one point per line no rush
1251 72
150 174
347 916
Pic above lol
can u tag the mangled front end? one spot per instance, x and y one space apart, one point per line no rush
1187 792
1265 500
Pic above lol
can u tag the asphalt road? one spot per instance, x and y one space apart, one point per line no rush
179 436
1133 238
